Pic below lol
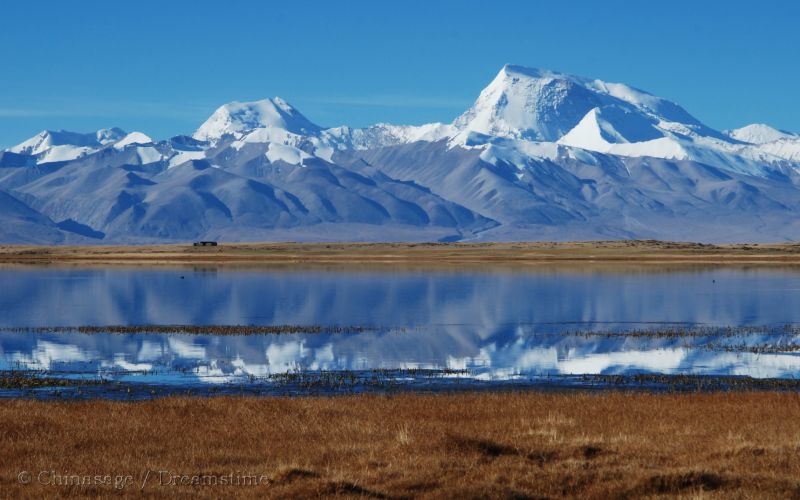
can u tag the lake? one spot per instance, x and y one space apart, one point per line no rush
387 329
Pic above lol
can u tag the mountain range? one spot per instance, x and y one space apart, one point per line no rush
540 155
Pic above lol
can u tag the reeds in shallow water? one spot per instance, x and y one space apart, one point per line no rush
199 329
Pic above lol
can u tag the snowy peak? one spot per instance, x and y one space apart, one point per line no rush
527 103
238 117
61 145
108 135
384 134
759 133
542 105
133 138
46 139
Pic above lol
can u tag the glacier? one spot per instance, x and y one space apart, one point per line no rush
540 155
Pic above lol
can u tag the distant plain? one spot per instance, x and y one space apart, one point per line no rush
640 251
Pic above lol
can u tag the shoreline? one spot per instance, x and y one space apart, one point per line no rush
537 444
409 254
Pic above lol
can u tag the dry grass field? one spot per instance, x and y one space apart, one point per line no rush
407 253
498 445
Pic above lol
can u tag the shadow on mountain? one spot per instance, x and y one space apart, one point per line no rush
71 226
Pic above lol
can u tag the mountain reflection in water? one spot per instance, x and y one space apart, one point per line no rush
486 327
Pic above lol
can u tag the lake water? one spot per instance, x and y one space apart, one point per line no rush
423 329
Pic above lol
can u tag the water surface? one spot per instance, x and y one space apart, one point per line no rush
427 329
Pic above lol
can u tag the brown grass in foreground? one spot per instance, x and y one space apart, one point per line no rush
464 445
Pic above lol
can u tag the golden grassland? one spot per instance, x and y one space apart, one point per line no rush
407 253
499 445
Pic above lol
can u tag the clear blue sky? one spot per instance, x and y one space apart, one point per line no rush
163 66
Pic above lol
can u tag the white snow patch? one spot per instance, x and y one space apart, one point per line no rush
288 154
133 138
64 153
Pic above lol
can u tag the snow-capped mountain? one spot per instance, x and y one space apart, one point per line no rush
770 141
276 121
613 118
539 155
238 117
50 146
533 104
759 133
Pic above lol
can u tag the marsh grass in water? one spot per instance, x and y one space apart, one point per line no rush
17 379
698 383
690 331
38 385
350 379
200 329
786 337
658 330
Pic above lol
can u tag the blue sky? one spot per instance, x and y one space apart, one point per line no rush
163 66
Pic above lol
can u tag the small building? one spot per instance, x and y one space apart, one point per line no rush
205 243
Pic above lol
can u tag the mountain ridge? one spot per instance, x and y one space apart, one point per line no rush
539 155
